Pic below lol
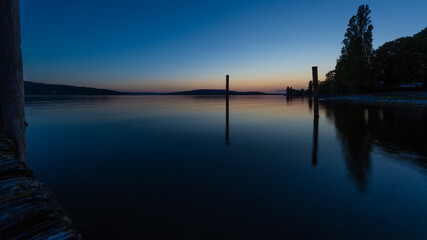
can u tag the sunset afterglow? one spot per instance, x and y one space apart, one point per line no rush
166 46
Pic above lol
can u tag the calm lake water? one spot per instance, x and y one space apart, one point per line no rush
159 167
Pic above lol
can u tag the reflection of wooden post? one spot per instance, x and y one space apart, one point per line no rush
315 117
227 108
12 123
315 139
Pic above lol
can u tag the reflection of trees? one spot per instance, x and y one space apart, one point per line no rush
395 129
354 134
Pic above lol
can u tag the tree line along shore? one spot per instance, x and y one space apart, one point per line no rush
394 72
399 65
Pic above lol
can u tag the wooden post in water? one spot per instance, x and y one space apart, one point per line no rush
315 117
227 108
12 117
315 91
227 85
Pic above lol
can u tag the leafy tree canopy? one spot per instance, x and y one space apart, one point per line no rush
352 70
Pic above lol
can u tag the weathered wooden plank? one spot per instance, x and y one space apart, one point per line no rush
28 210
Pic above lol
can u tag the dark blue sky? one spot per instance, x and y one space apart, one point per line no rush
178 45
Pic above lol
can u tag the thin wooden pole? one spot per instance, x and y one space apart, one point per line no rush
227 109
315 91
315 117
315 83
11 77
227 85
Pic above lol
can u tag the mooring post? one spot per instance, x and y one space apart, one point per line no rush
315 117
227 108
315 92
227 85
315 84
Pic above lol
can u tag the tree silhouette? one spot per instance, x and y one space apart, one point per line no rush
352 72
401 61
310 88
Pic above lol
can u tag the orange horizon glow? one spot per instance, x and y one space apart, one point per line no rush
242 84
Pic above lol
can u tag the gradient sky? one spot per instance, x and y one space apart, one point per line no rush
165 45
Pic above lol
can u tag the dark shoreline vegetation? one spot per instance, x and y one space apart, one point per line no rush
395 72
395 66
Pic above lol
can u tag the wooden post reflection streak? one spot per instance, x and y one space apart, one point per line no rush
315 135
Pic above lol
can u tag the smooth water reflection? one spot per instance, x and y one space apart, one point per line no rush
161 167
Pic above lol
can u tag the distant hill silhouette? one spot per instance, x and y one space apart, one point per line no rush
33 88
213 92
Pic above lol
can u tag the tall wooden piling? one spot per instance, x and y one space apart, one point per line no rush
227 85
316 116
12 123
227 108
315 83
315 92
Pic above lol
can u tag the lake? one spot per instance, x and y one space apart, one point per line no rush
160 167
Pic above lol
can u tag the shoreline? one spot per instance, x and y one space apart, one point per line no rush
410 98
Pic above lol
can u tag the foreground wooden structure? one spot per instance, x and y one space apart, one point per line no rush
28 209
12 118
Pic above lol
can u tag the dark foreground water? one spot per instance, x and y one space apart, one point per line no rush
159 167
